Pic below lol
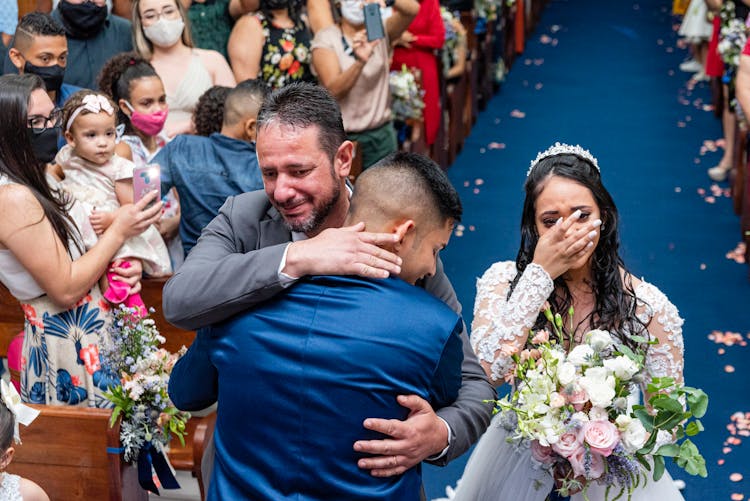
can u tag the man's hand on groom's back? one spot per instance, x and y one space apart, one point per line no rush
421 436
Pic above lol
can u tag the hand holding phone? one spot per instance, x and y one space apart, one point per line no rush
145 180
373 22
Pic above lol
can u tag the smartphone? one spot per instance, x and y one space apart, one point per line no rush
145 180
373 22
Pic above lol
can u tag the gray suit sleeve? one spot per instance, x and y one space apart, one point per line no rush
219 279
468 416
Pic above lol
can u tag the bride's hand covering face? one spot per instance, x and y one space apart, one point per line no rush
567 220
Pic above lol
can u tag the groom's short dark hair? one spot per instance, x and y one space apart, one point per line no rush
406 185
304 105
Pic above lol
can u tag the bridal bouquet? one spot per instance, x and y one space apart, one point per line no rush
148 416
578 410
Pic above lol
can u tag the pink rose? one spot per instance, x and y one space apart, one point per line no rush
541 453
579 459
568 444
577 397
540 337
602 436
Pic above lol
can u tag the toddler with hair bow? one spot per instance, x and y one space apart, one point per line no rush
12 412
102 182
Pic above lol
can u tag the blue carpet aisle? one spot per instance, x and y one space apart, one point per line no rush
604 74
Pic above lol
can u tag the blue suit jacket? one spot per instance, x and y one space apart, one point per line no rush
297 376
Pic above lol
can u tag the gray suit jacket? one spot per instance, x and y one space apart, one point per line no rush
235 265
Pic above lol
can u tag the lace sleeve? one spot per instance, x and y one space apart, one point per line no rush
665 325
501 324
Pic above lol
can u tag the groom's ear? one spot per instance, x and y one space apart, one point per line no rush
405 230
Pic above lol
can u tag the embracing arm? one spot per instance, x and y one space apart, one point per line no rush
194 382
218 278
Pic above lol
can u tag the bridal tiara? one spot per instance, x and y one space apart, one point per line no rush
564 149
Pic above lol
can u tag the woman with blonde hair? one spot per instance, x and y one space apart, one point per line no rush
161 34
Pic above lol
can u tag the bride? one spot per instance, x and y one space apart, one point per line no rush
568 257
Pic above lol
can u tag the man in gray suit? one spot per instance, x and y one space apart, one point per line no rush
261 242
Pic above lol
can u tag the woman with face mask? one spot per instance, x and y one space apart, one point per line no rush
273 44
50 259
133 84
356 71
161 35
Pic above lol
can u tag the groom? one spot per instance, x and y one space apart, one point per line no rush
296 376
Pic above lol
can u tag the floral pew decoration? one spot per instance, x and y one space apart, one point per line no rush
579 409
148 416
407 102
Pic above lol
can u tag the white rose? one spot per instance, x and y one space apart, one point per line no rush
599 387
622 367
623 421
581 417
599 339
556 400
566 373
580 355
598 414
634 436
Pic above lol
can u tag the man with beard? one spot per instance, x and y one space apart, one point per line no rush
260 243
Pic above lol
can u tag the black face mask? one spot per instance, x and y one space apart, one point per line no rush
276 4
44 143
83 20
52 75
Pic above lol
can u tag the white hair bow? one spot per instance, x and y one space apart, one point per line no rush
22 412
95 103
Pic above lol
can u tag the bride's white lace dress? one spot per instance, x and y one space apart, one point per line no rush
498 470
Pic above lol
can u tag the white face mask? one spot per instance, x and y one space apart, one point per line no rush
353 11
164 32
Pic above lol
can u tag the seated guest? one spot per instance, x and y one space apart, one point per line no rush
93 37
208 114
40 47
308 366
161 35
356 72
273 44
206 170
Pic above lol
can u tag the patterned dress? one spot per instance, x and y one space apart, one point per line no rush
10 488
58 366
498 469
286 54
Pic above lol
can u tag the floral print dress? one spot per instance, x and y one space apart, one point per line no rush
286 54
60 355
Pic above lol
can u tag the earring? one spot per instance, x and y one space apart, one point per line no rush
603 227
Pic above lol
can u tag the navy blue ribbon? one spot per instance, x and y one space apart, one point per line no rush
149 458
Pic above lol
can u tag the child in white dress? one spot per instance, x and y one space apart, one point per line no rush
12 412
102 181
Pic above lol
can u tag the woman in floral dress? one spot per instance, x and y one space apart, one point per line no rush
273 45
44 261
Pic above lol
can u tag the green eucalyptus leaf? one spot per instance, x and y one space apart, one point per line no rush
658 468
669 450
698 402
693 428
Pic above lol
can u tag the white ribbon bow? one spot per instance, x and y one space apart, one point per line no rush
22 412
95 103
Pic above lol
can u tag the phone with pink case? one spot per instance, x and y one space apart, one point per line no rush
145 180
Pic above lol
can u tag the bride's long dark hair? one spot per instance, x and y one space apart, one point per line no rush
17 159
615 302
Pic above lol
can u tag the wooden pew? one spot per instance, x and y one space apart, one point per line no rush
508 20
73 454
439 149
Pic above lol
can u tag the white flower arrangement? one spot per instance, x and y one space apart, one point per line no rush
407 102
575 409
